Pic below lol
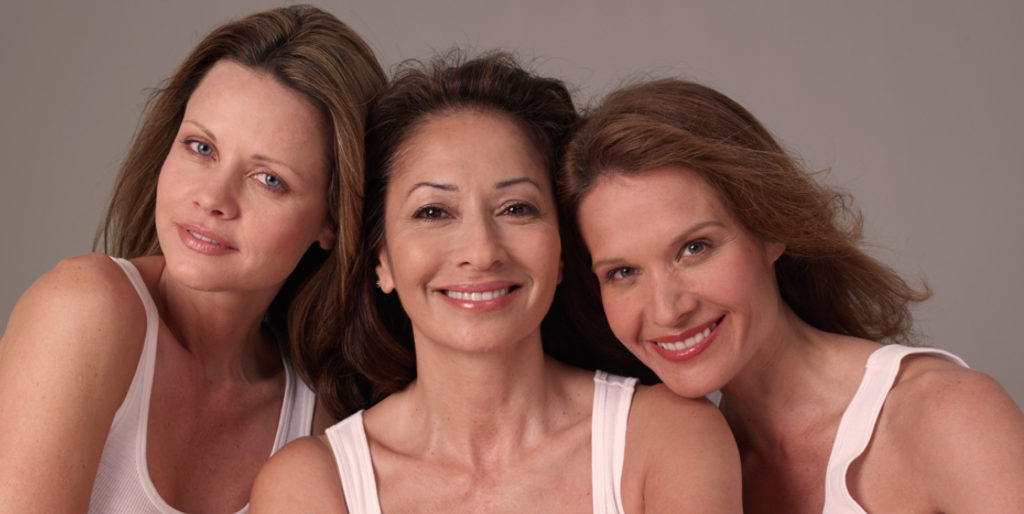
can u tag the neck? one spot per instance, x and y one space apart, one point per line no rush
790 389
486 406
222 331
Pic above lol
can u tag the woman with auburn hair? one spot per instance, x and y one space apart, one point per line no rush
749 280
158 379
461 260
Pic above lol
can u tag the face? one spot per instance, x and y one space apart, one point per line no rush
471 233
685 287
242 192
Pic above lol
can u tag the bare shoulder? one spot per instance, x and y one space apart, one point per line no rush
937 392
657 406
67 360
301 477
962 430
677 440
85 305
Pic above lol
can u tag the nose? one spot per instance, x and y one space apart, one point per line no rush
217 192
669 300
481 246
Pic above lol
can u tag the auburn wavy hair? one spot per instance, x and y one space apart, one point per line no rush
823 275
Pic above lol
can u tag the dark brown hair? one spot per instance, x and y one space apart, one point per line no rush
823 275
315 54
376 356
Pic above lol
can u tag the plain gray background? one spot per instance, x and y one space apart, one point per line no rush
914 106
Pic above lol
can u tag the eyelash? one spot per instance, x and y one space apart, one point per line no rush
281 187
192 144
189 143
698 246
612 275
529 209
430 213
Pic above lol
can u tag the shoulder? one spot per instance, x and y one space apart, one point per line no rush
940 413
92 299
301 477
672 440
67 359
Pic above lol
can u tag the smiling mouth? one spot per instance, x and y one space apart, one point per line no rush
204 238
479 296
689 342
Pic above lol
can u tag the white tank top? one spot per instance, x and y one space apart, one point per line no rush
858 421
122 481
613 396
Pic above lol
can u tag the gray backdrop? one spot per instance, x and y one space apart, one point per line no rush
914 106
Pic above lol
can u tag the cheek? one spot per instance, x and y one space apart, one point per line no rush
623 316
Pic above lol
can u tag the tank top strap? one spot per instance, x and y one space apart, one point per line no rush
858 422
352 455
613 396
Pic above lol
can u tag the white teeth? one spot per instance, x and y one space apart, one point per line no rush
478 296
203 238
689 341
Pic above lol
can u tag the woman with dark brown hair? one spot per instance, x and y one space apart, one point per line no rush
157 379
722 265
462 258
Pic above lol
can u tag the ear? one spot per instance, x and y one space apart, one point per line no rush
773 250
327 238
385 280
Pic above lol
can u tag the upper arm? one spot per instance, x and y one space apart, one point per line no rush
685 454
965 438
301 477
67 359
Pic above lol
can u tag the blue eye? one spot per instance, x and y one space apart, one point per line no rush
199 147
271 181
694 247
620 273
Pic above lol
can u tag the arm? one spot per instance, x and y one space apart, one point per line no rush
964 437
66 361
684 456
301 477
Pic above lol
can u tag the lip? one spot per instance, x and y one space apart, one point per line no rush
690 352
203 240
483 296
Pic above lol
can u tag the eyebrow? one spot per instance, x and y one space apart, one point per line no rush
514 181
443 187
258 157
452 188
681 238
205 130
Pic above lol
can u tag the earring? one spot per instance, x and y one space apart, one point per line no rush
378 284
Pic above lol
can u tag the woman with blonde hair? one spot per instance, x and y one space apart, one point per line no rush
157 379
722 265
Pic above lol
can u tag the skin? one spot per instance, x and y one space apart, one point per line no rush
491 424
246 170
785 385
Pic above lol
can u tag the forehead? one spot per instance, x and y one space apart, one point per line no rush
623 206
469 144
675 186
232 97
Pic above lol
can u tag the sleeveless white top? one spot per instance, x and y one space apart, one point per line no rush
613 396
122 481
858 421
